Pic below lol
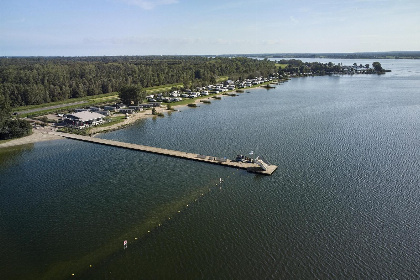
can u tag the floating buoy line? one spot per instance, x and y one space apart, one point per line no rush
219 183
158 224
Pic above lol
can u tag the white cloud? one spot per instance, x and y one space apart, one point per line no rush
149 4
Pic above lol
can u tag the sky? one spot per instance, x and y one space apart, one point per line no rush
198 27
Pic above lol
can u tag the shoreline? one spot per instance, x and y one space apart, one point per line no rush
41 134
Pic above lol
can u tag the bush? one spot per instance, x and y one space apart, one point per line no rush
15 129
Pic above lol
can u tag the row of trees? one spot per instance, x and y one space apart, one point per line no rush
38 80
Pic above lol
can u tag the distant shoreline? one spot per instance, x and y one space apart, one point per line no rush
356 55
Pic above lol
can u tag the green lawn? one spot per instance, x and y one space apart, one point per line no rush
222 79
282 66
86 98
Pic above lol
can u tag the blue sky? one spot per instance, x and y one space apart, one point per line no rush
193 27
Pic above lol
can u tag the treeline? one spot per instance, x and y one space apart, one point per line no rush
358 55
38 80
299 67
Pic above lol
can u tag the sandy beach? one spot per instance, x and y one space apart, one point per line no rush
38 135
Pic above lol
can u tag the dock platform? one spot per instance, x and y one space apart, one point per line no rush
250 167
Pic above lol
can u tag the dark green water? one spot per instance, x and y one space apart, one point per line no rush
344 202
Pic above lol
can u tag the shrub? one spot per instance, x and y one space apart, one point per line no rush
15 129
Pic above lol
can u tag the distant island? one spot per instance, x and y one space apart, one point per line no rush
298 68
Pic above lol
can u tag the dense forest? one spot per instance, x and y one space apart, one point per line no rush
38 80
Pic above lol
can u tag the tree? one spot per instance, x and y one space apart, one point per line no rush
132 95
14 129
377 66
4 109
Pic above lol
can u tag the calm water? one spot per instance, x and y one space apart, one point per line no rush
344 202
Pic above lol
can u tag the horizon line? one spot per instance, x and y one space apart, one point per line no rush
215 55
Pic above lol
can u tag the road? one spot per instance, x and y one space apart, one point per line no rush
51 107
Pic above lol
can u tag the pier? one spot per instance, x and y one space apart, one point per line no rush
261 168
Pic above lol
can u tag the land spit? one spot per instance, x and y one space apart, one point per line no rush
250 167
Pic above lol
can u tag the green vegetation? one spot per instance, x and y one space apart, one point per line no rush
132 95
222 79
113 120
281 65
297 67
83 132
28 84
358 55
38 80
378 67
102 98
156 113
14 129
11 128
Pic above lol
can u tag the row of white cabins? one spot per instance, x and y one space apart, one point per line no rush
229 85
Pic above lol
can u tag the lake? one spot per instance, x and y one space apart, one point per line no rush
343 203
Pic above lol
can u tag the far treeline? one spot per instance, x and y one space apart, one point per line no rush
39 80
357 55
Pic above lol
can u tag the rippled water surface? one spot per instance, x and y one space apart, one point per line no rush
344 202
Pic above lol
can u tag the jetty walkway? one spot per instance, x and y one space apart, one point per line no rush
250 167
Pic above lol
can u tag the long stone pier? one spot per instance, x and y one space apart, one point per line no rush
250 167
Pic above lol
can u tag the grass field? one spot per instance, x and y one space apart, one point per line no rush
282 66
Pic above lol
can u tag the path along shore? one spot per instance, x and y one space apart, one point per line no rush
40 134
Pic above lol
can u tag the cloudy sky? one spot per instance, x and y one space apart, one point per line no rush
192 27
